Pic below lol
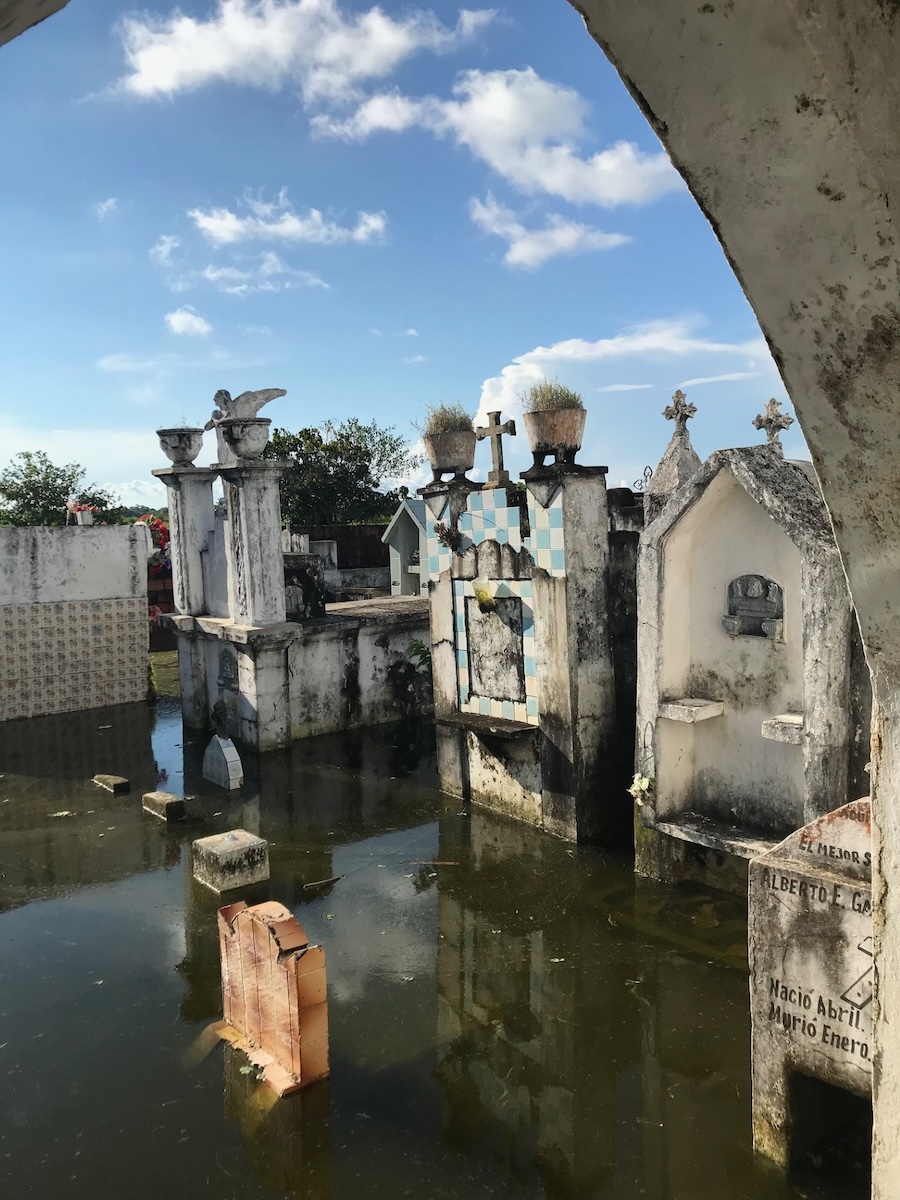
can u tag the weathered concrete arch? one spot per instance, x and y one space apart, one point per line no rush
782 116
18 15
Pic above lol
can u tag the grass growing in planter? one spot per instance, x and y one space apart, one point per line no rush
550 396
447 418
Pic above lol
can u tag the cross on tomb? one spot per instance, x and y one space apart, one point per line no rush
773 422
679 411
495 431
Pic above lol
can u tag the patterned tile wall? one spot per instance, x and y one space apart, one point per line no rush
487 706
489 516
63 657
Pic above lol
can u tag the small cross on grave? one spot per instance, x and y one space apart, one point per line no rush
679 411
773 422
495 431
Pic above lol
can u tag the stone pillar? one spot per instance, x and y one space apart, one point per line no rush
255 560
576 679
191 521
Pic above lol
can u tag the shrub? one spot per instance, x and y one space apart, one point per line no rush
448 418
549 396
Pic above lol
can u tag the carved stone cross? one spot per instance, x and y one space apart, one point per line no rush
679 411
495 432
773 422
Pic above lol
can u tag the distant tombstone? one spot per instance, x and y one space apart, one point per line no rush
755 607
222 764
811 967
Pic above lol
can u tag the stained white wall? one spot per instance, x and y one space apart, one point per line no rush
46 564
723 767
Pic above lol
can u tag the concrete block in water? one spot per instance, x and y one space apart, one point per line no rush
230 860
164 805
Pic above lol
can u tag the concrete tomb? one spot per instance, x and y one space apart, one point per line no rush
273 994
753 696
524 679
812 971
230 860
222 764
407 539
278 679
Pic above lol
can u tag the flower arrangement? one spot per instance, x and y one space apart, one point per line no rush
75 506
160 559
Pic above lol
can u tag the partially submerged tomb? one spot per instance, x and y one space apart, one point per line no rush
752 689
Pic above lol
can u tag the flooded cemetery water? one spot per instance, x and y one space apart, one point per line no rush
510 1015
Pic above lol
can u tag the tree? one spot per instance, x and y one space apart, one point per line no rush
34 491
337 471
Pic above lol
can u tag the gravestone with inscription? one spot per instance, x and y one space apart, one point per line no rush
811 967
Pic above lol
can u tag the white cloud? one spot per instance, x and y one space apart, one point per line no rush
668 338
731 377
625 387
527 129
187 321
105 208
267 44
161 252
277 221
412 333
531 248
260 330
148 492
416 358
127 362
270 274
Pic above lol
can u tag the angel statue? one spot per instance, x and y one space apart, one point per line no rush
246 405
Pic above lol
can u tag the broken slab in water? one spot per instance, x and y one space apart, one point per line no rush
222 764
273 994
164 805
226 861
811 968
117 784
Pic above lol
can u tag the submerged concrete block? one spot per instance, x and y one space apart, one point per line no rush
222 764
230 860
113 783
164 805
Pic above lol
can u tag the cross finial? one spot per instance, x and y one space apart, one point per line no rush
679 411
773 422
495 431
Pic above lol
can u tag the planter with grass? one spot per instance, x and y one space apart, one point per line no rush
554 421
449 437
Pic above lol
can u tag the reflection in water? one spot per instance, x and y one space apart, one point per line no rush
510 1015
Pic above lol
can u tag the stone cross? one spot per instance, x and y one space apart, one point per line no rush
773 422
679 411
495 431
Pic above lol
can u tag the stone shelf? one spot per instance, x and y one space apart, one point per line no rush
690 711
786 727
491 727
716 835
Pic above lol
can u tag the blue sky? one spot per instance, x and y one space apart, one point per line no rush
377 209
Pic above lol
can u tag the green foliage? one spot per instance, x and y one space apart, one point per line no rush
549 395
448 418
337 471
420 654
34 491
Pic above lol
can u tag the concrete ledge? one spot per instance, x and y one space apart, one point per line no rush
787 727
690 711
715 835
495 727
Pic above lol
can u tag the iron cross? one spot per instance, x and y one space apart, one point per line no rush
773 422
679 411
495 431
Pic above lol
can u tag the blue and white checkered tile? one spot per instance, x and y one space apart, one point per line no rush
546 542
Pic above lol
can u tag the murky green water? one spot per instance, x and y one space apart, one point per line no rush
521 1021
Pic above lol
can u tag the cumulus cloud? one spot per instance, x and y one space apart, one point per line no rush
268 44
278 221
269 274
162 250
669 338
531 248
105 208
187 321
524 127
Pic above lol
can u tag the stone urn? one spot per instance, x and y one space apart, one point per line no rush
180 446
450 453
246 436
556 431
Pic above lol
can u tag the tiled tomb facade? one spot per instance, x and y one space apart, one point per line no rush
73 618
525 695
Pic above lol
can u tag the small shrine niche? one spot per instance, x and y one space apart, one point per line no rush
228 671
755 607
